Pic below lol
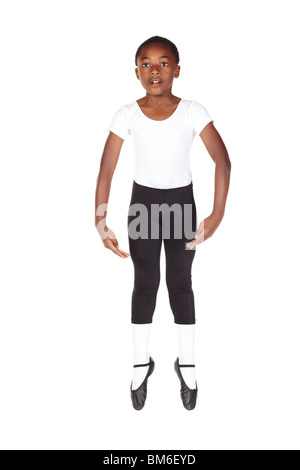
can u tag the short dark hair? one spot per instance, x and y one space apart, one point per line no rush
162 40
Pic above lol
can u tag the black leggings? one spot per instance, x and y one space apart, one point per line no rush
145 251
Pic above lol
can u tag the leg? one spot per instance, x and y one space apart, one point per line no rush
179 261
145 255
186 341
140 335
179 282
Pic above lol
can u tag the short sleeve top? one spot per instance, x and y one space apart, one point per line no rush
161 148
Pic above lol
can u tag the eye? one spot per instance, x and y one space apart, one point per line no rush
144 64
165 63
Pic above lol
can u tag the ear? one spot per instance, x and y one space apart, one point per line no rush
177 71
137 73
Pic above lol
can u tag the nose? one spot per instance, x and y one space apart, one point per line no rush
154 70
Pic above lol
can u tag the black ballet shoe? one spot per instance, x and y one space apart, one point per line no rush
138 396
188 395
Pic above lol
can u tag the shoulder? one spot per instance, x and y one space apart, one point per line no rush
194 106
198 115
127 110
130 107
197 110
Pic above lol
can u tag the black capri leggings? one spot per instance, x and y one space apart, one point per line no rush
145 233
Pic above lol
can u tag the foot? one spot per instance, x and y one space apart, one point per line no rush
138 396
188 374
188 395
139 374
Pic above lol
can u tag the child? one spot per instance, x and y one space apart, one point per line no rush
162 127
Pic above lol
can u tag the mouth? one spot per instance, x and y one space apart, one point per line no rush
155 82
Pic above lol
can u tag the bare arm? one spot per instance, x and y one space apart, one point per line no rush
218 152
109 160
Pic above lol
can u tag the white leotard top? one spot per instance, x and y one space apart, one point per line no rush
161 148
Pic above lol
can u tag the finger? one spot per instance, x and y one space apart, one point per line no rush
120 253
190 245
193 242
110 243
117 251
124 253
199 236
198 241
115 241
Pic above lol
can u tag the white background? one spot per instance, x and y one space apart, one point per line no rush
66 352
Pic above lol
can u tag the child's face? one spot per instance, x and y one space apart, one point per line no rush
156 62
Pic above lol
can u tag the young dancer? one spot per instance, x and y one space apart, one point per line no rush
162 127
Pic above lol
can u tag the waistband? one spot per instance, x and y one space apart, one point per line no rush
149 189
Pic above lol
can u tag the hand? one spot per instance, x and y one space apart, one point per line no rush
109 241
206 229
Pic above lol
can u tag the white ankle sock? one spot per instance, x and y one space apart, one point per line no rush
186 342
140 336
